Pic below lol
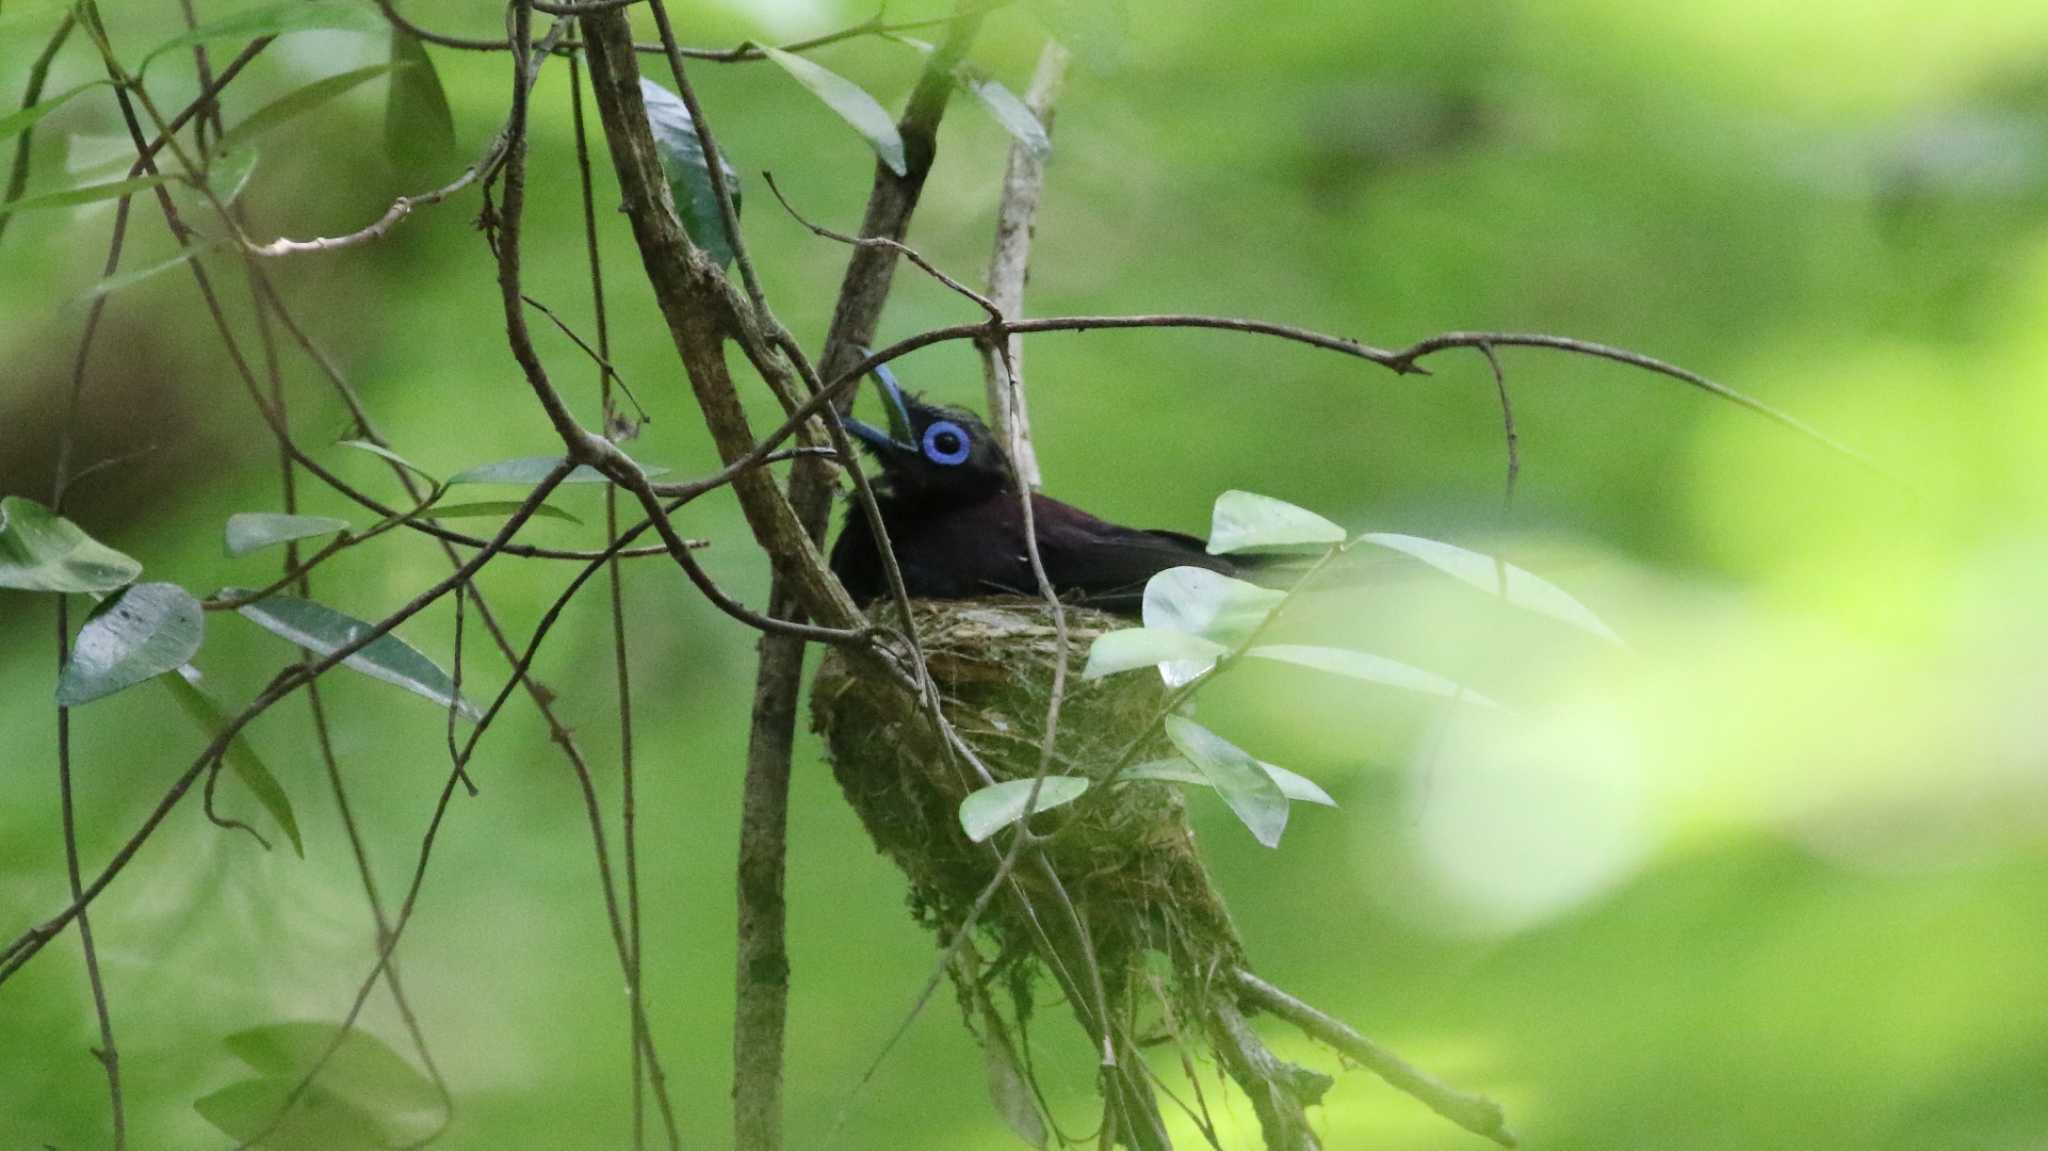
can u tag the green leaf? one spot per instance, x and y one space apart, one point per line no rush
297 103
120 280
191 694
852 103
419 130
318 1121
689 174
1293 786
363 1070
530 470
386 453
484 509
1134 647
1197 601
1012 113
85 195
1251 793
42 551
1242 521
275 19
985 812
251 531
229 174
324 630
22 119
1497 577
138 633
1370 668
1007 1088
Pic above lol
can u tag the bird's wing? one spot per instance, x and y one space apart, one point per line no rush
1105 563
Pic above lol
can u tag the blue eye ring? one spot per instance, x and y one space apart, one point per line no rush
937 453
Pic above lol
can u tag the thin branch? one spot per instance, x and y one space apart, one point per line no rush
1009 267
38 74
1475 1113
1507 419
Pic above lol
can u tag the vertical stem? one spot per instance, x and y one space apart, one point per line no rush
628 815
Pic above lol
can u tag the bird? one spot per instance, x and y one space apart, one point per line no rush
948 499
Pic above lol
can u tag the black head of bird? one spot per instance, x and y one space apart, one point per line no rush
956 524
932 457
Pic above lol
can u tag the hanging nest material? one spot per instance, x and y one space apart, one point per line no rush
1150 922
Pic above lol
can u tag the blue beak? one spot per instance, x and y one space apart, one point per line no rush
899 417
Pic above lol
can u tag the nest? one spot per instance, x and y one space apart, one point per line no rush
1145 916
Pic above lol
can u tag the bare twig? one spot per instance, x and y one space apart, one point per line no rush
1475 1113
38 74
1009 267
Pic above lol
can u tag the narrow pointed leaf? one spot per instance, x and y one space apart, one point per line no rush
120 280
481 509
43 551
1208 604
1245 520
363 1069
1495 576
1368 667
1292 785
1135 647
851 102
298 102
230 173
530 470
688 172
22 119
386 453
1009 111
419 130
322 629
251 531
985 812
187 687
138 633
275 19
1245 787
1007 1088
90 193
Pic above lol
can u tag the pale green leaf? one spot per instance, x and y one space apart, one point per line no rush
380 450
989 810
1243 521
317 1121
1292 785
1496 576
1368 667
485 509
22 119
851 102
250 531
322 629
43 551
1216 607
275 19
1009 111
530 470
138 633
1135 647
120 280
1249 791
88 194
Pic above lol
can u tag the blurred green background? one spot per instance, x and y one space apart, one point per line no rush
1776 876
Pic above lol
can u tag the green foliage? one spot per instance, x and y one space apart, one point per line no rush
1253 795
251 531
90 193
43 551
851 102
274 19
689 172
1367 667
1244 521
1008 110
138 633
1496 576
193 699
488 509
530 470
382 452
999 805
298 102
322 629
1138 647
21 120
419 130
